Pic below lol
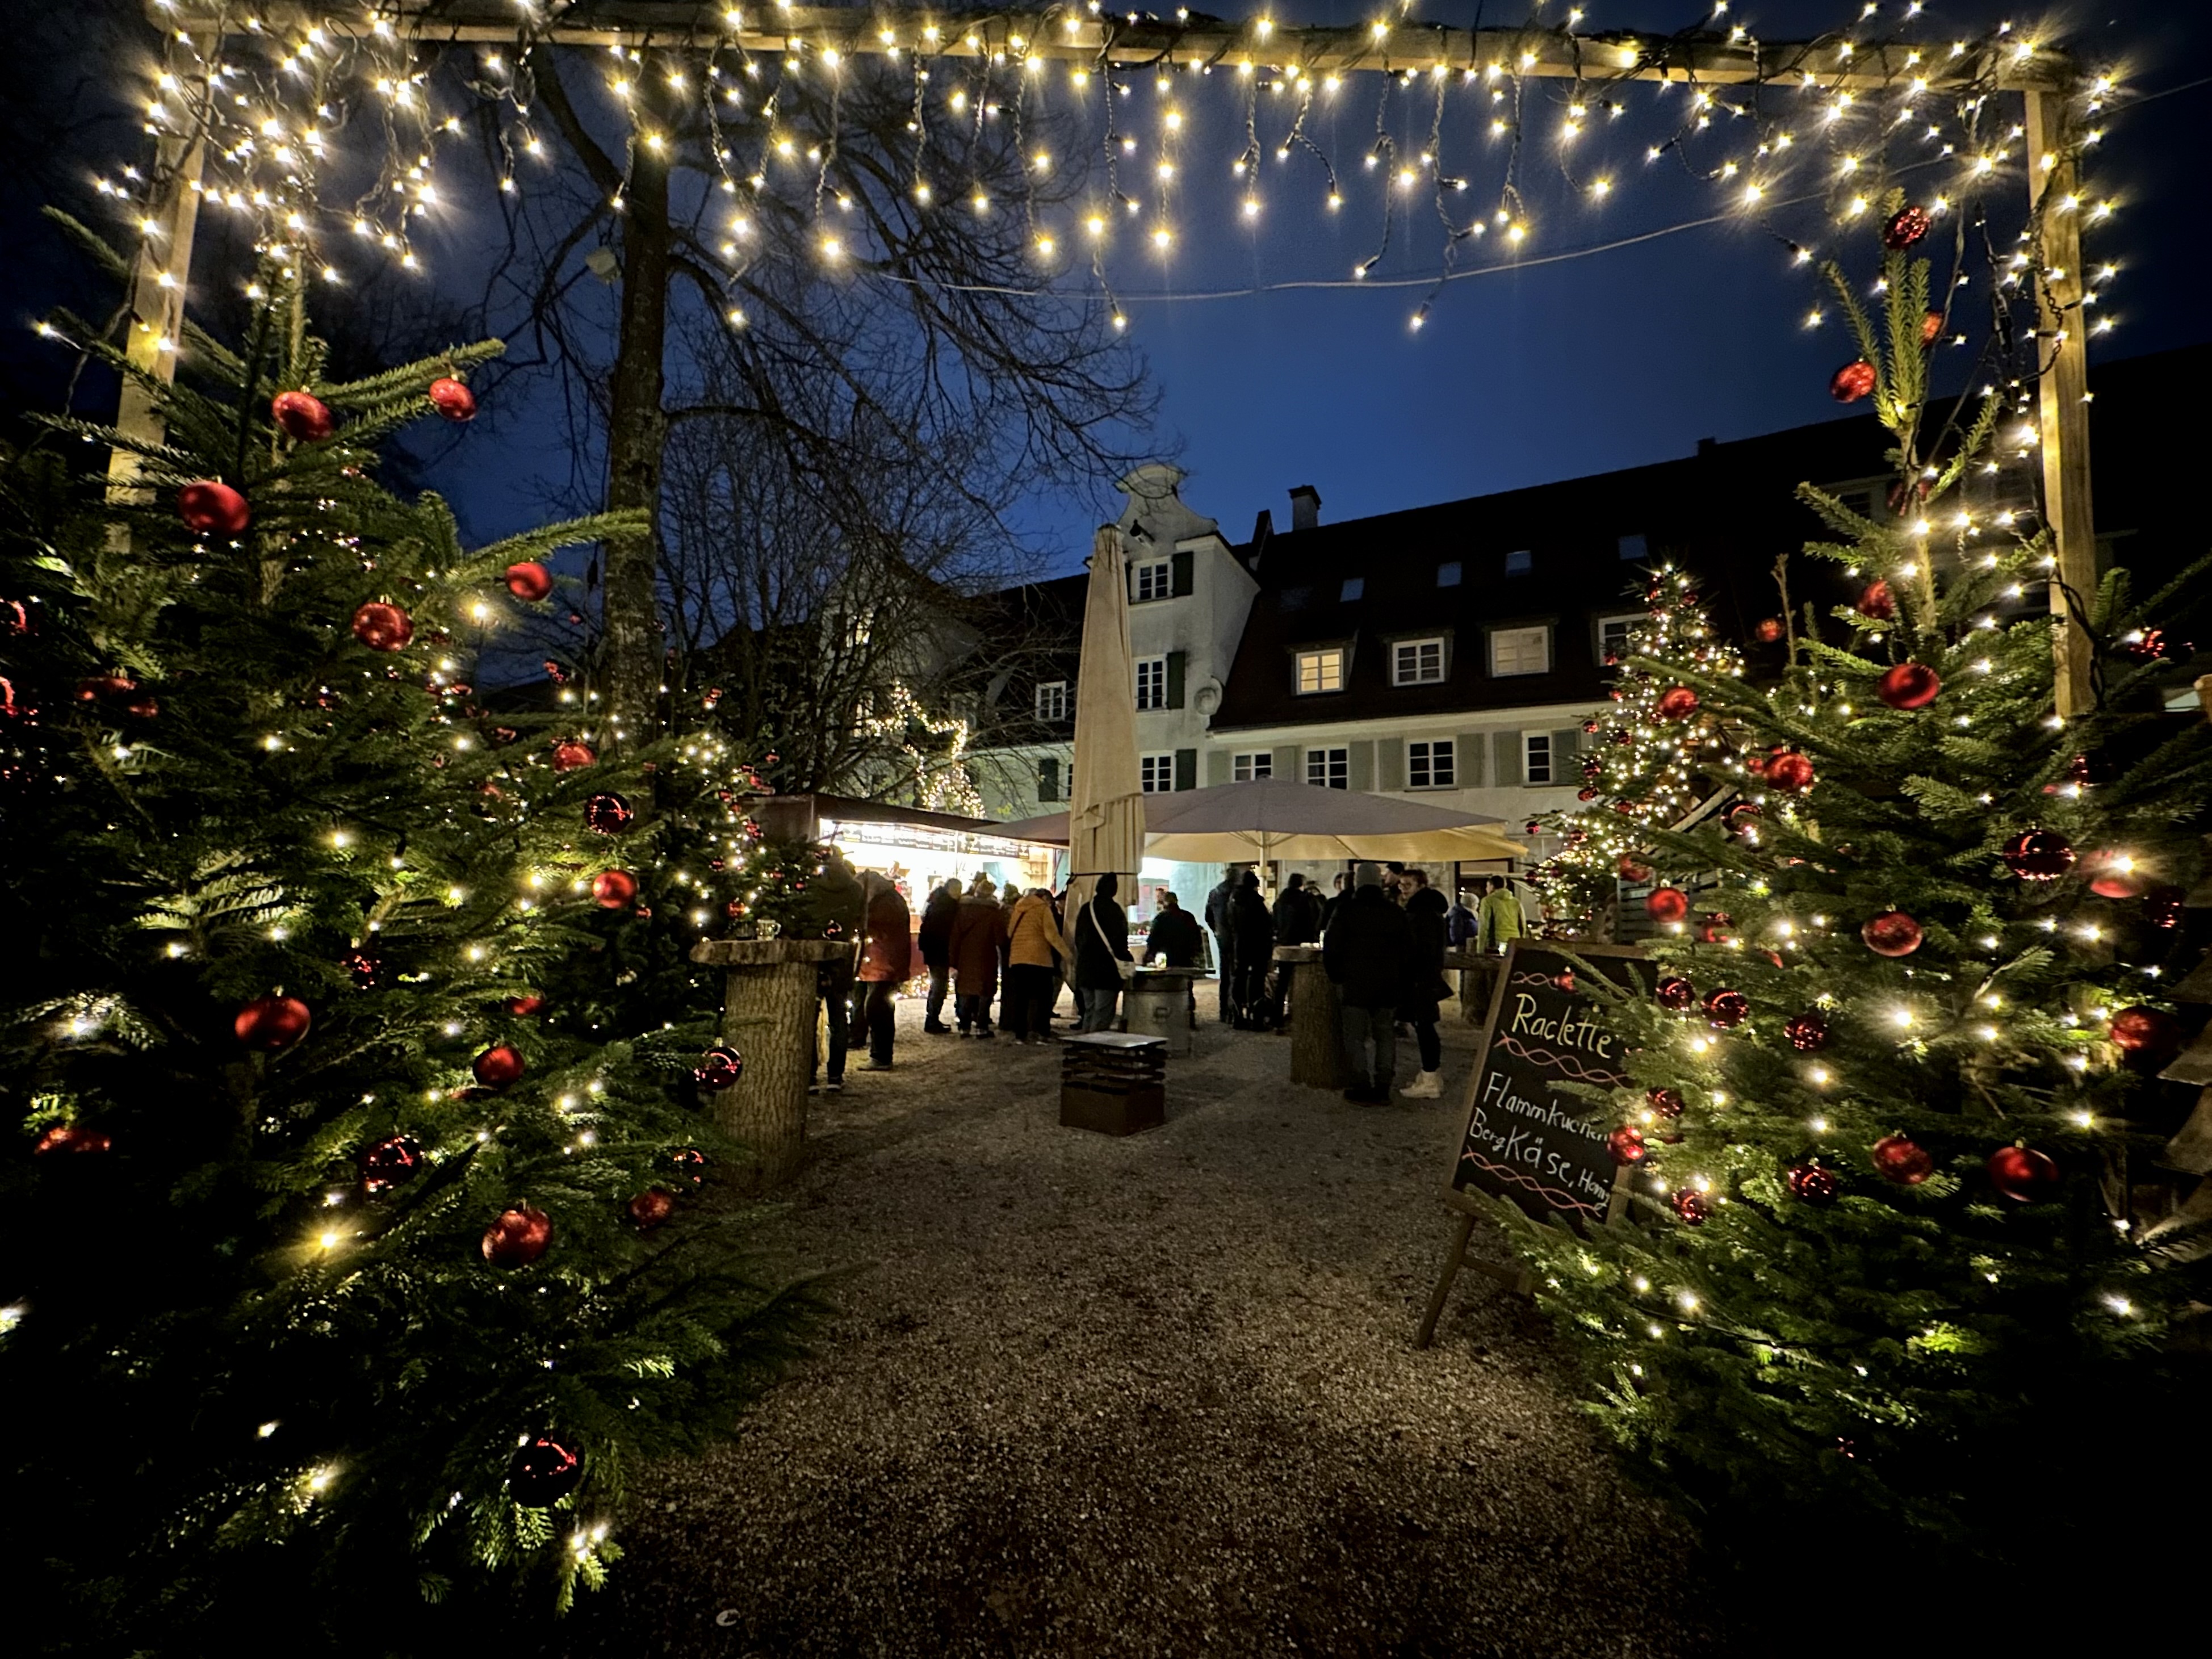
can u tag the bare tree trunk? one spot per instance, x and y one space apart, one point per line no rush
637 428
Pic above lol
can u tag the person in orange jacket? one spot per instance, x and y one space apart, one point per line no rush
1033 943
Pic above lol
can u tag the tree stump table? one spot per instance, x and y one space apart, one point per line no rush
1317 1019
768 1002
1477 978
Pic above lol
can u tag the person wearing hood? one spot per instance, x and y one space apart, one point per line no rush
835 909
1251 947
936 941
1216 923
1366 953
1298 913
1102 946
1033 944
1425 911
886 960
978 934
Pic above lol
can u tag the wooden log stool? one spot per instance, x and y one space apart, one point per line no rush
1115 1082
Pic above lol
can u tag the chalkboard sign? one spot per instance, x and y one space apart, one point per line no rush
1526 1139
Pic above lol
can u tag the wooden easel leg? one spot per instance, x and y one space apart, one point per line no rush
1453 1257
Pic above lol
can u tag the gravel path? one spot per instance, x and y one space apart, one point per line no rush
1147 1396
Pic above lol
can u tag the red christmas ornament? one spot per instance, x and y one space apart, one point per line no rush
1690 1205
1852 381
523 1007
382 627
570 755
389 1164
1769 630
530 580
272 1021
1906 227
1813 1183
2113 875
613 889
718 1068
302 417
70 1138
1677 702
1666 904
518 1238
2022 1174
1631 870
452 399
1892 933
1668 1103
1902 1159
1808 1032
2143 1031
212 508
1741 817
609 814
1906 494
1675 994
1585 794
1909 685
546 1470
1564 981
1792 773
1627 1145
2038 855
1725 1010
650 1208
498 1067
1932 324
1877 602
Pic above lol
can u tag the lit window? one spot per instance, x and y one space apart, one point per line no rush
1448 574
1321 671
1052 702
1536 757
1243 769
1519 564
1520 651
1634 547
1329 768
1155 580
1417 662
1613 636
1354 587
1151 682
1156 773
1432 765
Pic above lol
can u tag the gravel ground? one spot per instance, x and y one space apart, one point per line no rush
1147 1396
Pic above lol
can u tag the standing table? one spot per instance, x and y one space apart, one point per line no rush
1158 1004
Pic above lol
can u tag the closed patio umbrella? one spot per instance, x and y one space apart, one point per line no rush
1104 823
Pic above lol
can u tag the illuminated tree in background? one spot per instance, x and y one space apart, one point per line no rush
1893 1221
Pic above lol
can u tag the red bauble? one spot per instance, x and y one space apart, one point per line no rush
1690 1205
272 1021
1909 685
518 1238
389 1164
1932 324
613 889
609 814
1902 1159
302 417
1906 227
1677 702
546 1470
1585 794
2113 875
1769 630
1668 1103
382 627
70 1138
1666 904
523 1007
1675 994
569 756
1627 1145
650 1208
452 399
211 509
1714 930
1631 870
1725 1010
1813 1183
2038 855
530 580
1852 381
1878 602
1564 981
1892 933
718 1068
1740 818
2022 1174
1808 1032
498 1067
2142 1030
1792 773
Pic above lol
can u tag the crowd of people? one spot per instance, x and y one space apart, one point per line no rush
1383 933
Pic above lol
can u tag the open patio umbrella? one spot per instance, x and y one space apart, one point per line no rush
1104 823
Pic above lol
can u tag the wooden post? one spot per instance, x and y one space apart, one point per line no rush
769 1017
2062 393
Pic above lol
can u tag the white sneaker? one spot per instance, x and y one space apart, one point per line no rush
1430 1086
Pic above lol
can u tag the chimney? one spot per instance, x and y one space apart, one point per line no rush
1706 445
1262 527
1305 508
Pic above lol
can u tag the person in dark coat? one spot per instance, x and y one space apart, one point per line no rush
835 909
978 940
886 961
1460 922
1174 938
1251 947
936 942
1334 902
1298 913
1216 923
1426 912
1366 953
1102 944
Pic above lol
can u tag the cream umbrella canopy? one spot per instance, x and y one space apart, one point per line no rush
1105 798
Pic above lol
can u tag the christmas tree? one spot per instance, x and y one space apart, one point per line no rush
360 1269
1897 1233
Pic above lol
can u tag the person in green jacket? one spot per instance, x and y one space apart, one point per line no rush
1499 922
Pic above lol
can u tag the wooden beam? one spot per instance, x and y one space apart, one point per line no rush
2062 394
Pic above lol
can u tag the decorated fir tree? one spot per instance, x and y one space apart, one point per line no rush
360 1267
1898 1235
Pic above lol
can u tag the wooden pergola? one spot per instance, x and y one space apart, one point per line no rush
2046 80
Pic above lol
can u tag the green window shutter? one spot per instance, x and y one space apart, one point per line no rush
1390 764
1217 766
1468 750
1563 744
1176 659
1181 575
1363 764
1186 769
1048 779
1506 746
1290 762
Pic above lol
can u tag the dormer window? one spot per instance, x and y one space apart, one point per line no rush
1155 580
1354 587
1520 563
